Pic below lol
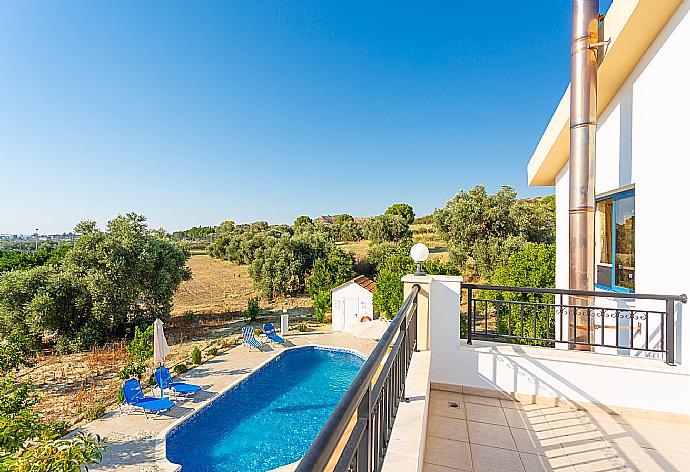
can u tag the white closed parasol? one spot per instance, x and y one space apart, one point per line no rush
160 345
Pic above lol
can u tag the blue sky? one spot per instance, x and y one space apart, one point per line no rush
195 112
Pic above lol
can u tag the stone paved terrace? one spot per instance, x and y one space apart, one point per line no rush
484 434
137 443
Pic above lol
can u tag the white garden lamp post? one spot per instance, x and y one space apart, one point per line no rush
419 253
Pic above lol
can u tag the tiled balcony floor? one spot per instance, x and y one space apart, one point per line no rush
493 435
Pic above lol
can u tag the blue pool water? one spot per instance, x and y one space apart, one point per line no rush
270 419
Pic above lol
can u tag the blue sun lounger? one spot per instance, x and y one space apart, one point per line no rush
134 397
270 332
249 339
165 381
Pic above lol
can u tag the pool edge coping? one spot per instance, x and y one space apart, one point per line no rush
161 459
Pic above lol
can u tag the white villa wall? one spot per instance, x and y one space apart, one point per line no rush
349 303
643 138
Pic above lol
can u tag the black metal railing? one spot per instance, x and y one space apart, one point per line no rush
545 317
356 435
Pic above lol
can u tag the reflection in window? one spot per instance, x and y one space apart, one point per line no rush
625 242
615 241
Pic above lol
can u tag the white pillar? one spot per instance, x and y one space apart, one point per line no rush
438 317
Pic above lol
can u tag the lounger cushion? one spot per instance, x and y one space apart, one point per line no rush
154 404
181 387
275 338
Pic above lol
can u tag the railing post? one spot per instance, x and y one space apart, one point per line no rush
670 333
364 448
470 323
404 346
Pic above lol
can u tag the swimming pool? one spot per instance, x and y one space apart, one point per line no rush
268 420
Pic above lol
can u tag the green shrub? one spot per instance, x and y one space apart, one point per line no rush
64 455
27 443
180 368
253 309
378 254
212 352
388 297
94 412
196 356
336 268
190 316
152 380
141 347
302 327
132 370
120 395
532 266
321 303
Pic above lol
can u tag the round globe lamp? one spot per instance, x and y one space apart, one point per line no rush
419 253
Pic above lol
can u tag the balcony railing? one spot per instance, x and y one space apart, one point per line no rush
552 317
356 435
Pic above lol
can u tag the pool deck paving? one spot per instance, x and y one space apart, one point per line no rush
137 443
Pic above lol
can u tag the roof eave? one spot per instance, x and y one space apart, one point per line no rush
632 26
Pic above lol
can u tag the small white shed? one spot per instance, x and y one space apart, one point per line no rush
352 303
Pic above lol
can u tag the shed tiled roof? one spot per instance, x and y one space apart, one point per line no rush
363 281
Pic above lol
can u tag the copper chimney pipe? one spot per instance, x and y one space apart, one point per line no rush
583 127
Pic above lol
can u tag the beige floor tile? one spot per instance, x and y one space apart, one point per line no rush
447 396
482 400
664 436
448 453
449 428
437 468
525 420
627 439
570 434
493 459
536 442
575 446
680 459
518 405
595 461
490 435
538 463
442 407
485 414
549 411
568 420
605 418
645 460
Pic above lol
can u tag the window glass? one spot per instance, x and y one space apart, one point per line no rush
604 229
625 242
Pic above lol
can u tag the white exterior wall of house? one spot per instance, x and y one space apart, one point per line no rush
350 303
643 138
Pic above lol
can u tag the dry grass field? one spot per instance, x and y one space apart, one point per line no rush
208 312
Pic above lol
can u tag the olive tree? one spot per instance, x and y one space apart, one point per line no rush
402 209
386 228
110 280
485 229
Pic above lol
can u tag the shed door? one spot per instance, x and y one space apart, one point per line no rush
351 310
